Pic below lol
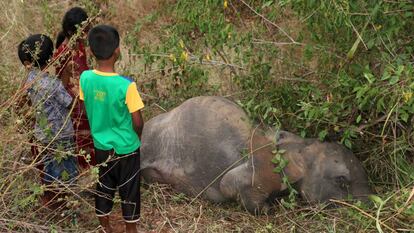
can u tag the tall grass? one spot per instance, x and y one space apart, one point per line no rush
259 53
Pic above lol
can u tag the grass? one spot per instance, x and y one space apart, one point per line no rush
152 32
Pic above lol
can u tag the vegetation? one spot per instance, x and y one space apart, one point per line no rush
334 69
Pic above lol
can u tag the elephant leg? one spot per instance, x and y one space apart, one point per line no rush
152 175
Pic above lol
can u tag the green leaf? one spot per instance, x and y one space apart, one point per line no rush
277 170
386 75
266 4
278 157
408 14
308 53
371 43
65 175
281 151
394 79
403 115
303 133
286 204
369 77
400 69
38 189
358 119
323 134
348 143
376 199
269 226
283 163
353 49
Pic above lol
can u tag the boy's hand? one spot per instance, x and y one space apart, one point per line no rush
74 86
69 72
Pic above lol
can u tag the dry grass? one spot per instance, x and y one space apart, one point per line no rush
163 210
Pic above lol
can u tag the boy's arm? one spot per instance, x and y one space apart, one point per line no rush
62 96
134 103
137 122
68 73
81 95
23 98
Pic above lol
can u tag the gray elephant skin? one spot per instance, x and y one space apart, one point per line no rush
208 147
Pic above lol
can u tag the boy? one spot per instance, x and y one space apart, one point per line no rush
53 127
113 107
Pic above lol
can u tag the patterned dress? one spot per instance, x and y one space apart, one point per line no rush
75 57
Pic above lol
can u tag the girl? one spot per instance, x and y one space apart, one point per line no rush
71 62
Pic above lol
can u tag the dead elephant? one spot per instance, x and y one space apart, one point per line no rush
200 147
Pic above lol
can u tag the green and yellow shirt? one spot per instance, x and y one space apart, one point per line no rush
109 100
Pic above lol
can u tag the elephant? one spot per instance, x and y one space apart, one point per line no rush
208 147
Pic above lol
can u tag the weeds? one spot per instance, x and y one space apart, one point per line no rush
339 70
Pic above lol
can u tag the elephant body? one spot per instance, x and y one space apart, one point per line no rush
207 146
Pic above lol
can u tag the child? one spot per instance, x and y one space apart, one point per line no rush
25 60
53 129
113 107
71 62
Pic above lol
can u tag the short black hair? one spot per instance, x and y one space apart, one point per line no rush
23 56
59 39
36 49
73 18
103 40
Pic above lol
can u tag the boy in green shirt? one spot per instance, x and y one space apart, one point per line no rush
113 107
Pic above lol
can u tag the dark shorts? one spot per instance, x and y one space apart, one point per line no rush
118 172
